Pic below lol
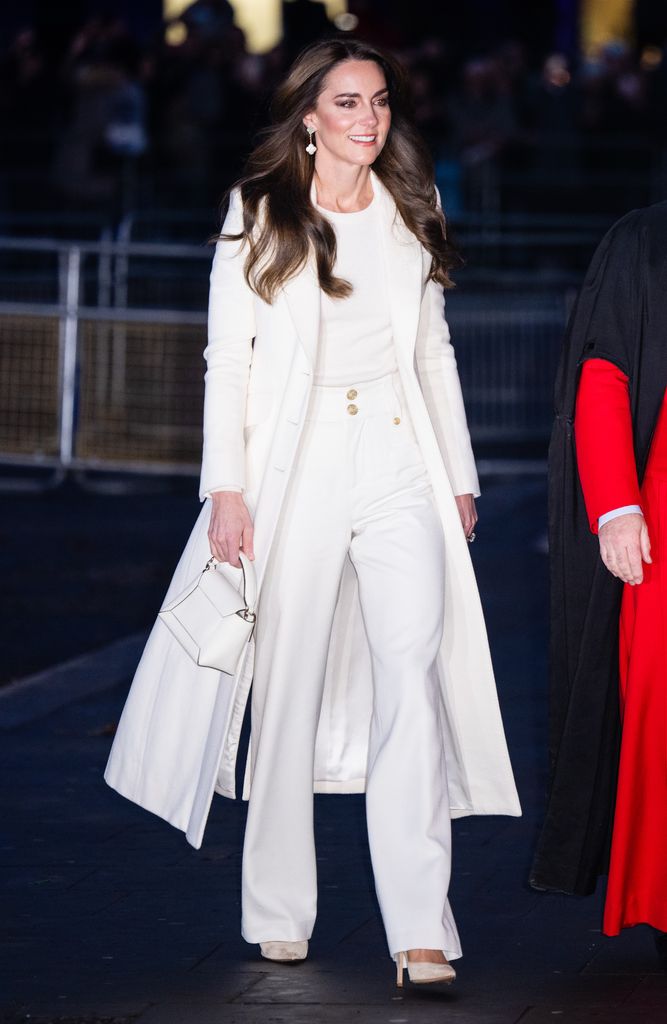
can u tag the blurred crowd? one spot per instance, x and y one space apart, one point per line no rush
107 122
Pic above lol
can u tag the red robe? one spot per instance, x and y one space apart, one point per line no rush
637 887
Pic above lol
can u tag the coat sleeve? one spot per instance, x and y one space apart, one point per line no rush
231 329
441 387
604 441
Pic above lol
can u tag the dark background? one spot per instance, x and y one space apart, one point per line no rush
100 116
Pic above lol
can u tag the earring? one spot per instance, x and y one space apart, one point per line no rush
311 147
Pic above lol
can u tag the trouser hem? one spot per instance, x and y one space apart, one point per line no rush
278 931
421 940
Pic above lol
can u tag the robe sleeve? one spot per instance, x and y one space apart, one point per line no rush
604 441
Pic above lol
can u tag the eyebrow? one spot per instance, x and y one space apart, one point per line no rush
357 95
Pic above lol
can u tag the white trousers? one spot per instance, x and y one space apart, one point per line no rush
359 490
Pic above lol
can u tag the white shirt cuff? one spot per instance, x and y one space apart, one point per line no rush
615 512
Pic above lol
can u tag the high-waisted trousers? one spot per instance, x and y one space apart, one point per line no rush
359 490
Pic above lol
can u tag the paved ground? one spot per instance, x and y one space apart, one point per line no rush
82 567
108 914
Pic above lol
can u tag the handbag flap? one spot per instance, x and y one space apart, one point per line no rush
221 592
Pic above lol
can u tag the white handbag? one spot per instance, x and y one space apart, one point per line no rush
211 619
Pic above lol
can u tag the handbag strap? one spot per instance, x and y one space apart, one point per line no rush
249 582
249 578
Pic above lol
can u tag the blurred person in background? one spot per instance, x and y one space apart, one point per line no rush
30 101
554 112
200 100
482 124
105 123
303 21
337 456
429 111
614 92
607 808
380 24
550 118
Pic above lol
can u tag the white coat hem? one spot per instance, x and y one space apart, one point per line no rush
175 818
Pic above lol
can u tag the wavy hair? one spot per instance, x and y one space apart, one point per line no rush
280 223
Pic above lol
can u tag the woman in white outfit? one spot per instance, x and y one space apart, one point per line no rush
336 454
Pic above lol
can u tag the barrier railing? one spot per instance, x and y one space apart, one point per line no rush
107 374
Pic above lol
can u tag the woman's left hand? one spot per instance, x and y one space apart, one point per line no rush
466 506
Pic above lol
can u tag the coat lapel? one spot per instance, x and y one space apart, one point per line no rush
302 294
402 255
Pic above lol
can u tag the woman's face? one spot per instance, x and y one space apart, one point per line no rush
352 116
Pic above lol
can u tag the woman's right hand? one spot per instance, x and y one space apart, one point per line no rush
230 528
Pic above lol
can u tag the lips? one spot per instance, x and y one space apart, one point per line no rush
363 140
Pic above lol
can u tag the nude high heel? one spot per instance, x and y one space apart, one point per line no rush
422 972
284 952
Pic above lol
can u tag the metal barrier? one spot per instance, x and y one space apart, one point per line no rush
107 374
507 348
88 381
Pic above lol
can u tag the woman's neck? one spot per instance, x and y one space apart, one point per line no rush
343 190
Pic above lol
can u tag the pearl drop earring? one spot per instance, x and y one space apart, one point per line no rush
311 147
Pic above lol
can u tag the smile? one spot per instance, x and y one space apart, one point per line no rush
365 140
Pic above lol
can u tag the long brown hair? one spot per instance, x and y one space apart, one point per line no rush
275 186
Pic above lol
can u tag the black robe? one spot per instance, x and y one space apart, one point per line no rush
620 315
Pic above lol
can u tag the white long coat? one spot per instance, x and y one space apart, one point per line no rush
178 736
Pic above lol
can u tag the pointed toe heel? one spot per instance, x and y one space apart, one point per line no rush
284 952
423 972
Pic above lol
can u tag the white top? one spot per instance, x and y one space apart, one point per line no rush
356 340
